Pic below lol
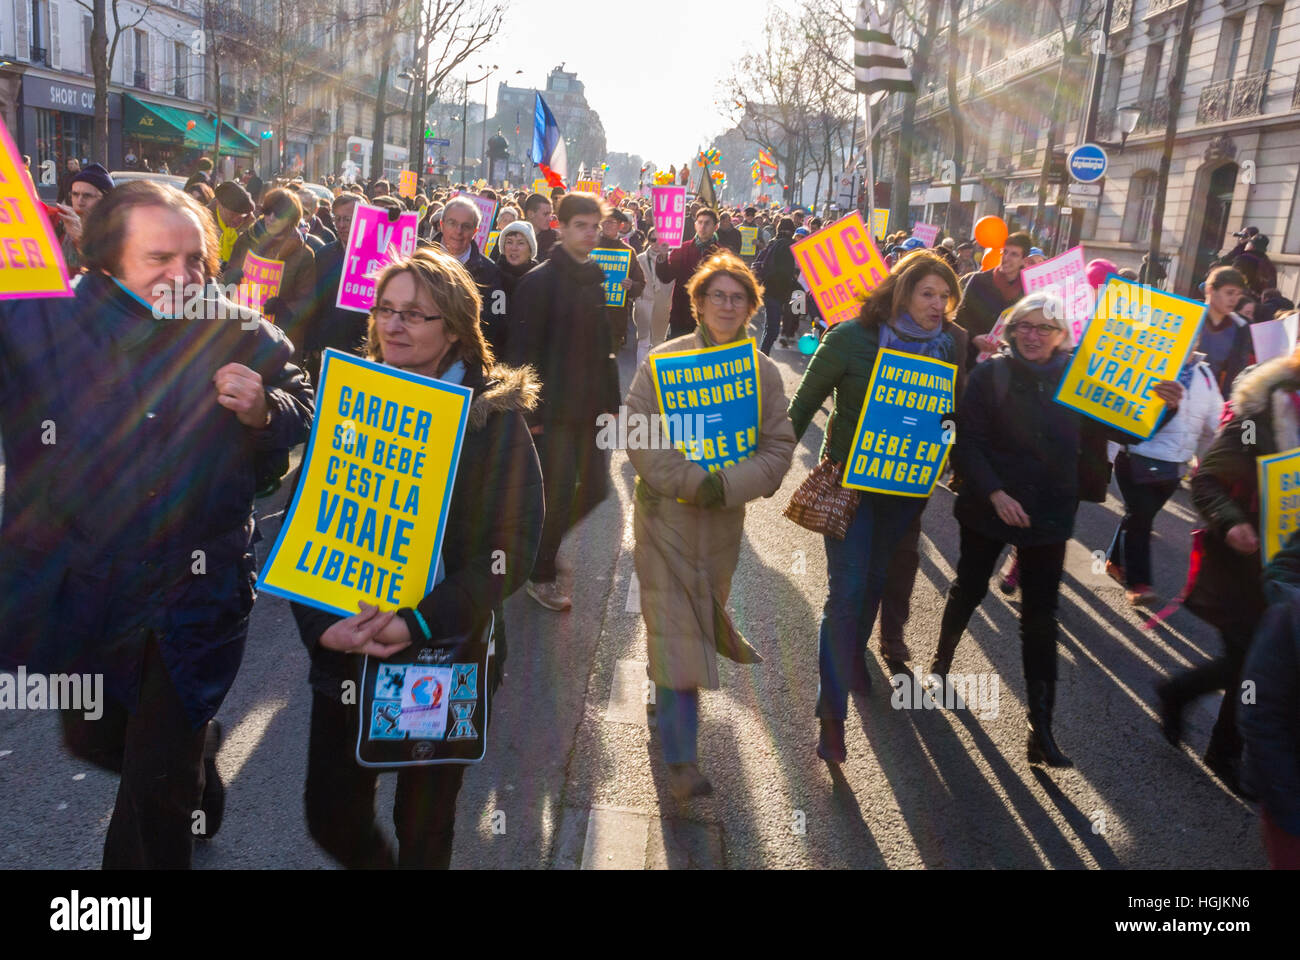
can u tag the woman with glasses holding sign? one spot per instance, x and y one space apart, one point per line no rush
689 519
426 321
1023 462
877 555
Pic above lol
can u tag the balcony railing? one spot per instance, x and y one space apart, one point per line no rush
141 80
1157 7
40 55
1155 115
1231 99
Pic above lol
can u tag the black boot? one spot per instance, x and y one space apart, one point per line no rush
1042 746
942 662
1171 713
830 744
213 803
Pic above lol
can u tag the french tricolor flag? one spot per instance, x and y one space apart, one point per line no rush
548 145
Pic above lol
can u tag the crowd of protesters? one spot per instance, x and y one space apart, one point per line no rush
168 432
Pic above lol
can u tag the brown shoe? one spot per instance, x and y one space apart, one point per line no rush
1115 572
894 650
686 781
1141 596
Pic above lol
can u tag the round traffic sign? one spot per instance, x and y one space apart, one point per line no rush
1087 163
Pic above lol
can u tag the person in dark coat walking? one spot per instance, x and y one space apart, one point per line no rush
1225 337
779 273
680 265
633 285
1024 462
989 292
1227 592
496 510
127 546
329 325
460 220
728 236
1270 723
1255 266
559 327
537 211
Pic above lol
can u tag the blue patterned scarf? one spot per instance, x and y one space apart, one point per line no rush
905 334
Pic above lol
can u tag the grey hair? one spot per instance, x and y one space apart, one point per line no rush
465 202
1046 302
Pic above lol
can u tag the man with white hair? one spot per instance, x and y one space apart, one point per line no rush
460 220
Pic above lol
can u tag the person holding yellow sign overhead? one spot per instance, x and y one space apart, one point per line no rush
1023 462
688 522
426 320
909 312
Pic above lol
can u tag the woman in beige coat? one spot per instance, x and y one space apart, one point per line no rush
688 523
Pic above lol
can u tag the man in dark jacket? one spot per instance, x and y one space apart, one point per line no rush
126 547
779 273
460 220
728 235
989 292
633 286
680 265
329 325
537 211
560 328
1253 264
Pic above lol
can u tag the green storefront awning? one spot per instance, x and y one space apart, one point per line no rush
163 124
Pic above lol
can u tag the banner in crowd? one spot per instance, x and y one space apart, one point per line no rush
748 240
617 195
616 264
879 222
901 443
373 242
407 182
1279 500
368 517
541 186
669 205
1274 338
487 211
995 332
1137 337
926 233
709 400
841 265
593 187
491 246
1067 277
261 280
31 263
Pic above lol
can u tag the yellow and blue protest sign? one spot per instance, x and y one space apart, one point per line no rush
748 240
1138 337
900 445
1279 500
493 236
879 221
616 264
710 402
367 520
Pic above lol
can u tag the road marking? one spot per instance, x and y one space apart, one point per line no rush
616 839
627 693
239 745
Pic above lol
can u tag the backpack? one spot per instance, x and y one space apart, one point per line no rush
763 262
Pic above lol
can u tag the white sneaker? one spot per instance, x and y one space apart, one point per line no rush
549 595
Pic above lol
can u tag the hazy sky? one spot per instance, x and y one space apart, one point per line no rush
644 74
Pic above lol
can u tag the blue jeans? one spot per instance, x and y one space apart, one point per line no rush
774 309
858 569
678 716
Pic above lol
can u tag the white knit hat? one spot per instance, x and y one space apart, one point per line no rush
519 226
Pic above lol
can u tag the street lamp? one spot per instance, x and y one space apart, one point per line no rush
1127 118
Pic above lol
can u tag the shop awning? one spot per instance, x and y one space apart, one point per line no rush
158 123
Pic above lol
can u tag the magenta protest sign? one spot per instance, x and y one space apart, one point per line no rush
487 211
926 232
261 280
1067 277
670 214
373 243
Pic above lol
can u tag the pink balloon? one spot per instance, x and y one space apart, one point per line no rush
1097 271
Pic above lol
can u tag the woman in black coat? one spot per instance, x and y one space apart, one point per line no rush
426 320
1024 462
516 254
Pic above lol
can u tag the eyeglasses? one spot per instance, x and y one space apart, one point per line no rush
1042 329
720 299
409 318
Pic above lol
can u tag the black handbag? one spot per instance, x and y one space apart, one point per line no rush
427 705
1146 470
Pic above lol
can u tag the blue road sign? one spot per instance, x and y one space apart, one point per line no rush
438 142
1087 163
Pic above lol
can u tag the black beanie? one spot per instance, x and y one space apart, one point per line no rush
95 175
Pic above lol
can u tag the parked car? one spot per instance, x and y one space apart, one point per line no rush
124 176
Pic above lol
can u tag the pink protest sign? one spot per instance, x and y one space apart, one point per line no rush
261 281
1067 277
373 243
487 211
926 232
670 214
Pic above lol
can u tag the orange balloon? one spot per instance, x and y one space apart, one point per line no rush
991 258
991 232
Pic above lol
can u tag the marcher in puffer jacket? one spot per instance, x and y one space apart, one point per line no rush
1149 473
1270 723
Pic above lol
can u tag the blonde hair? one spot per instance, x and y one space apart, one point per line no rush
455 295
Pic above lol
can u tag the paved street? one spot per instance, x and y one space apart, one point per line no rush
578 776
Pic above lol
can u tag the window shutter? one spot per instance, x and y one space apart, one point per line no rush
126 47
55 60
158 78
23 33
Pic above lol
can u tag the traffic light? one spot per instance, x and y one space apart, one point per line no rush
266 134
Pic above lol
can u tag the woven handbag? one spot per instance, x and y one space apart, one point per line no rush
822 504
